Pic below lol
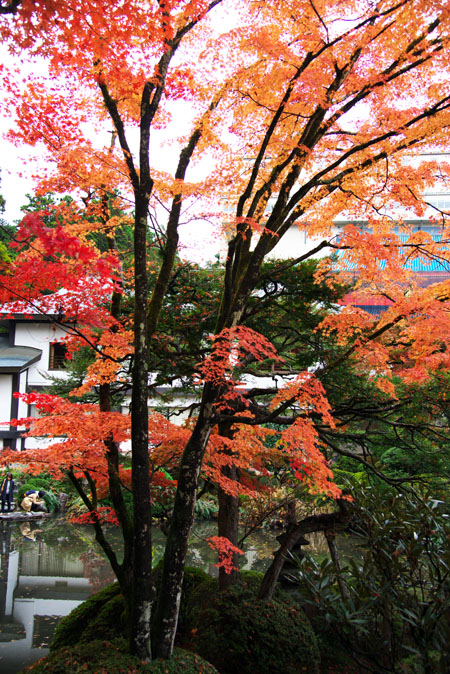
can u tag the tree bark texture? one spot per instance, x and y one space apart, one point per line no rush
167 609
335 521
228 520
142 512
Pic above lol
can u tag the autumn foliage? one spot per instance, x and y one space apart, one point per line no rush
273 116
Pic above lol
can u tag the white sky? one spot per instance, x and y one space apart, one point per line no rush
17 165
13 186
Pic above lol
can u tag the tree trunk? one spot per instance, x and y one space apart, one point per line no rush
228 524
334 554
166 617
228 520
142 540
324 522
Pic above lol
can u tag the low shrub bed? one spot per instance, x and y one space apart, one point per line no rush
69 630
233 630
239 633
105 657
102 616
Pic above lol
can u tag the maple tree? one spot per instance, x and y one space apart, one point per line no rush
299 111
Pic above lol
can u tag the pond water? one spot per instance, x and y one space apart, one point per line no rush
48 567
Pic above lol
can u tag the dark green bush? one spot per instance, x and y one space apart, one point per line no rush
252 581
234 630
105 657
102 657
239 633
206 509
102 615
182 662
109 623
70 629
399 586
32 483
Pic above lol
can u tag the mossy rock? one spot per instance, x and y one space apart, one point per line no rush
70 629
239 633
105 657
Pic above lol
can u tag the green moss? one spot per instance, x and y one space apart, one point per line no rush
239 633
109 623
70 629
182 662
233 630
102 657
252 581
105 657
102 616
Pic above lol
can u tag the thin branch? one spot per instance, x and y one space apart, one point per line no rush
91 506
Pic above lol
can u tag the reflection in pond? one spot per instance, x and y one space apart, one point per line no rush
48 567
46 570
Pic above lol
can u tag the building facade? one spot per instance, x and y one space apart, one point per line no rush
29 353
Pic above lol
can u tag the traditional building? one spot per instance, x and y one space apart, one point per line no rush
29 353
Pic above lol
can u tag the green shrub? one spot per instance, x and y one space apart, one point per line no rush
252 581
399 586
105 657
70 629
97 656
239 633
102 615
206 509
36 483
51 501
182 662
109 623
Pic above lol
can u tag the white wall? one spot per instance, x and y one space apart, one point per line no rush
22 410
5 398
39 336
